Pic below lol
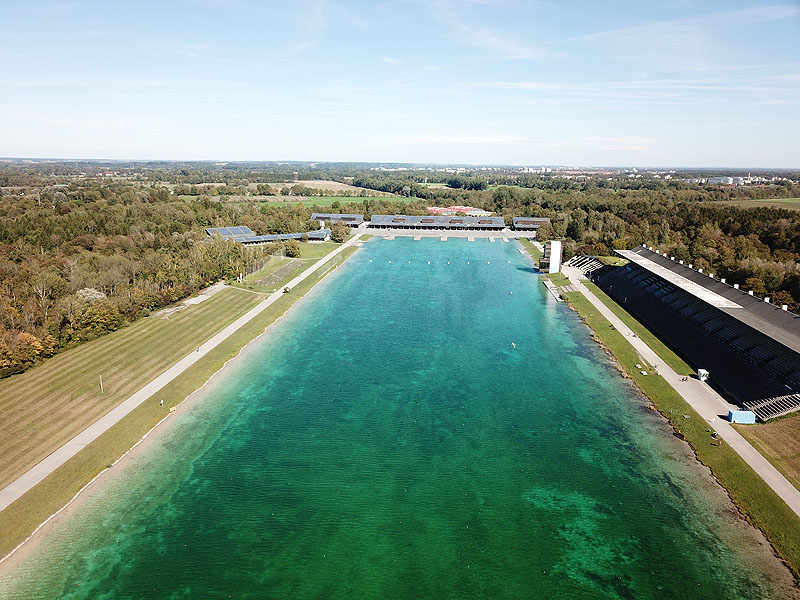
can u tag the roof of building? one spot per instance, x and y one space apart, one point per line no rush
230 232
317 234
437 221
530 221
246 235
337 217
781 325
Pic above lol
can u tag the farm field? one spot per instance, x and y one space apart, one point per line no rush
326 186
49 404
328 200
779 442
788 203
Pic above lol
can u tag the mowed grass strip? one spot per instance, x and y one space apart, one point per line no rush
779 441
19 519
532 250
48 405
559 279
664 352
762 506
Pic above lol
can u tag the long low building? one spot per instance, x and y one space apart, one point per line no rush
750 347
352 220
246 236
436 222
529 223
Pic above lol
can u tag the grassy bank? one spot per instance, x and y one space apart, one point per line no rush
23 516
559 279
535 253
49 404
753 497
664 352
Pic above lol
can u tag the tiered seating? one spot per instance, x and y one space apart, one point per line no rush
774 407
745 365
585 264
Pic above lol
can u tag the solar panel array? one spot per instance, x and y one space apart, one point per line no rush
230 232
245 235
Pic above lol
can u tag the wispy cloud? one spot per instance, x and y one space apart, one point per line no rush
312 23
503 43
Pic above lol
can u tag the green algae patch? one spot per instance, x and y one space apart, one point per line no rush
754 498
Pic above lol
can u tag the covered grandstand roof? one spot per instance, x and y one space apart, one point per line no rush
355 219
436 221
529 222
781 325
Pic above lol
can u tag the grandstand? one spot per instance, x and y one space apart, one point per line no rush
351 220
528 223
437 222
585 264
750 346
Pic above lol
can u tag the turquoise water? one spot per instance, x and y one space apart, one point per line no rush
386 440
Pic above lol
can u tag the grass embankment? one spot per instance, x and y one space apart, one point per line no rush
667 355
48 405
778 441
535 253
559 279
753 497
23 516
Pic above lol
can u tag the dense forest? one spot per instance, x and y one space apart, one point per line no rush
82 254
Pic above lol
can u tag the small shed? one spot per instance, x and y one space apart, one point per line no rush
748 417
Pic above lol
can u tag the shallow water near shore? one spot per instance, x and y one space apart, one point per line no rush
387 440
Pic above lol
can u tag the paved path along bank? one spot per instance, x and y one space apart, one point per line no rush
710 405
37 473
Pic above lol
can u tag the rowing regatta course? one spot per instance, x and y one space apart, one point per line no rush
428 423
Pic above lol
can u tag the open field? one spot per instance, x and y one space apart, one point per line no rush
46 406
325 186
328 200
779 442
667 355
789 203
278 273
750 493
22 517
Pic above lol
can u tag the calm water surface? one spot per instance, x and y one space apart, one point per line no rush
387 441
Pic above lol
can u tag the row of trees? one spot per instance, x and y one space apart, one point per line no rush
78 263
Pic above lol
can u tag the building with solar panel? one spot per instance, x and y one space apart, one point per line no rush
351 220
245 236
749 346
437 222
528 223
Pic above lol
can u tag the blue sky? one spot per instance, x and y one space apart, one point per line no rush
661 83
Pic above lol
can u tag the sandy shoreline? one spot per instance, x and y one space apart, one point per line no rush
17 556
